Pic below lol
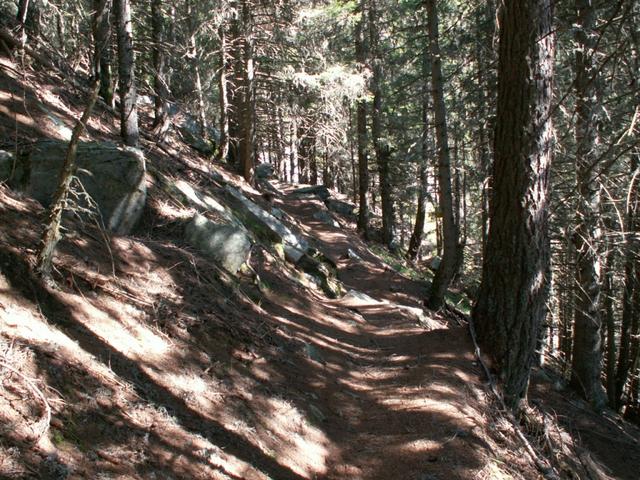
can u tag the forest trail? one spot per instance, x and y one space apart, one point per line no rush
158 365
400 400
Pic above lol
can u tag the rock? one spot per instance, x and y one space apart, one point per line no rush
198 199
61 128
313 353
191 136
354 298
319 191
434 263
325 217
323 270
113 177
145 100
338 206
228 245
317 413
264 170
7 165
265 226
353 255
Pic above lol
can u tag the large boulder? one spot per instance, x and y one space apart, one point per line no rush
325 217
338 206
319 191
228 245
264 170
191 133
113 177
264 225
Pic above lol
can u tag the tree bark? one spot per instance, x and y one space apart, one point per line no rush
380 145
447 269
223 97
247 138
361 127
160 84
101 26
513 290
421 214
126 71
51 235
586 366
631 252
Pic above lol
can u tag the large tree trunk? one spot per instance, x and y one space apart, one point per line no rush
447 268
586 366
421 214
631 252
160 84
101 26
609 322
223 97
361 128
247 140
126 72
195 60
381 146
513 291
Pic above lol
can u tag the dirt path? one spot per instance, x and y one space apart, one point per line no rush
396 400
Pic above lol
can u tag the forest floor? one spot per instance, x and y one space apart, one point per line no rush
149 362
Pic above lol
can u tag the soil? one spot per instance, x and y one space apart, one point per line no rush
149 362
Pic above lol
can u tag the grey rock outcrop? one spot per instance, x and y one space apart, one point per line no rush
325 217
338 206
113 177
319 191
264 170
264 225
228 245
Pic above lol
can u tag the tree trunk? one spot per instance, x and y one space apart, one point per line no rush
21 19
447 268
631 252
51 235
159 66
247 123
126 73
421 214
609 321
513 290
361 126
101 26
223 97
381 146
586 366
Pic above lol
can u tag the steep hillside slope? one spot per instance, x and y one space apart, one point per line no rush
151 361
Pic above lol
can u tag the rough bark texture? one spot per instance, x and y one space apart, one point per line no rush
629 310
586 364
101 26
447 268
248 113
361 129
223 97
380 145
160 84
513 291
421 214
126 73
